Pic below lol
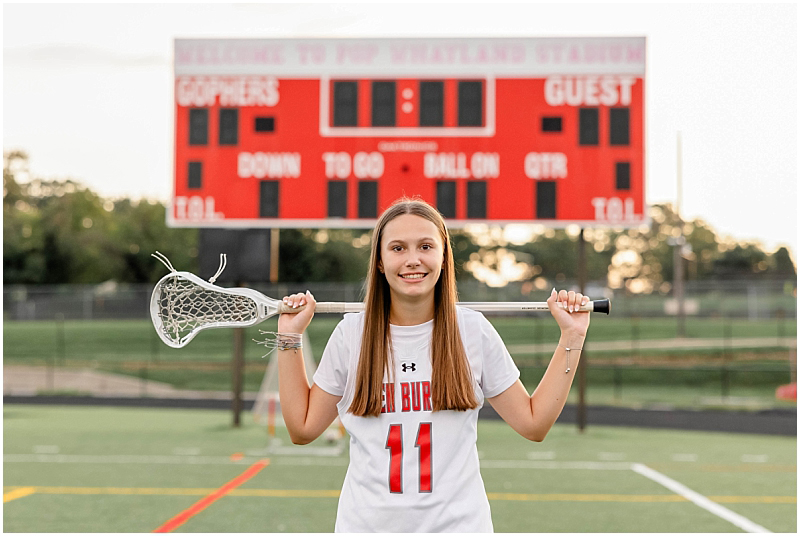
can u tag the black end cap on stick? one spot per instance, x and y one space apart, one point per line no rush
602 306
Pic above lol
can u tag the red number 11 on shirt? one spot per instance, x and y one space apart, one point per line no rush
395 445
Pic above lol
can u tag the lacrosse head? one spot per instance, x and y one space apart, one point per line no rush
182 305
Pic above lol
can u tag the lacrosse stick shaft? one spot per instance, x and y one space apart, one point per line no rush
596 306
182 305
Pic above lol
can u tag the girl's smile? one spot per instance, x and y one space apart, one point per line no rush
413 277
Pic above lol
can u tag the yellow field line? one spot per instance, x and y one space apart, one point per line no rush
18 493
287 493
73 490
306 493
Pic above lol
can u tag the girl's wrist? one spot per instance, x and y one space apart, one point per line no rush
572 339
282 329
289 341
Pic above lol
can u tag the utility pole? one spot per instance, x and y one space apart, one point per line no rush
584 362
677 254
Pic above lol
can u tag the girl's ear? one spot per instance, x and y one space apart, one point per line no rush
380 266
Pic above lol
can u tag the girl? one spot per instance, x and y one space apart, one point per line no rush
407 378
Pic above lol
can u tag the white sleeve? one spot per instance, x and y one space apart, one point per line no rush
499 370
331 374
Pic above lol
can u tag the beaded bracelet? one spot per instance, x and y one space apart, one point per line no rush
281 341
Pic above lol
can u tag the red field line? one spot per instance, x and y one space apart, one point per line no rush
206 501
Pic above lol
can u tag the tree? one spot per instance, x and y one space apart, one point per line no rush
741 261
314 255
23 241
639 259
780 264
141 230
57 232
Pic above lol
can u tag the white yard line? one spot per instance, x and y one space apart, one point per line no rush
546 455
45 449
531 464
698 499
100 458
755 458
168 460
285 460
611 456
308 460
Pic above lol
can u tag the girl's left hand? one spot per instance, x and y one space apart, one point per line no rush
564 308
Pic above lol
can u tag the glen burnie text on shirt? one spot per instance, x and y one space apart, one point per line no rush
414 396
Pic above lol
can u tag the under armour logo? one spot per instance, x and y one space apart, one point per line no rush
412 367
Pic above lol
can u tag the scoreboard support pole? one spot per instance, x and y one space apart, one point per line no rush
237 372
237 354
274 247
582 271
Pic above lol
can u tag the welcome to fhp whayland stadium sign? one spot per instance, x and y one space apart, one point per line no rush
328 132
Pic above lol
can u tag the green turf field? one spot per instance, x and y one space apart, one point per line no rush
78 469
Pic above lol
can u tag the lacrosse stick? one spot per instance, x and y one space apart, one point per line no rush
183 304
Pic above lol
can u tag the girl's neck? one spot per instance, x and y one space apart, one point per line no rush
410 313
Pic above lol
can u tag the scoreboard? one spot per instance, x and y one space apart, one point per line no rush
329 132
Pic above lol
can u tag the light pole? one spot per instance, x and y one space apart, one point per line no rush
678 243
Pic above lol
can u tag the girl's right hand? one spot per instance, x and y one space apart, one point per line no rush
297 322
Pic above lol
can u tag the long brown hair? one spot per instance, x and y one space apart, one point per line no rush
451 378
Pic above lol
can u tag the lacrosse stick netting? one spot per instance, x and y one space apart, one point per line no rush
183 304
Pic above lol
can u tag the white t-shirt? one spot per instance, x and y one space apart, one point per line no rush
412 469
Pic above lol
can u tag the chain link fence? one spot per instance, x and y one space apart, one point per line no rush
754 300
106 328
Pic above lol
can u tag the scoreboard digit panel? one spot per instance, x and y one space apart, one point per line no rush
329 132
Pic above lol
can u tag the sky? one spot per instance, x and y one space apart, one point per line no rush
87 89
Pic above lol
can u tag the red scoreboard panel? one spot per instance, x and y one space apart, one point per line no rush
329 132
